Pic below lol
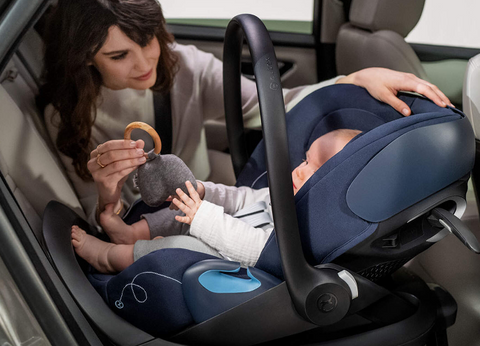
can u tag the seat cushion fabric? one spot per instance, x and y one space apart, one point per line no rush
358 49
148 294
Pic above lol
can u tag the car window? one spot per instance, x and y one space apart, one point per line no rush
448 23
278 15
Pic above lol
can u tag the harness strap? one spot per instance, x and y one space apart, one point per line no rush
255 215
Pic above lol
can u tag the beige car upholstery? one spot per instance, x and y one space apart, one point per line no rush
374 37
31 169
471 94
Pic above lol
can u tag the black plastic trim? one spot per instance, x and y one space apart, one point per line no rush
366 255
476 174
30 270
19 17
208 33
405 317
431 53
325 52
56 219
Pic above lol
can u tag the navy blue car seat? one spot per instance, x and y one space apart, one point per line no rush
392 192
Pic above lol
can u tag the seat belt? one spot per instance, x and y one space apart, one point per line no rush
163 120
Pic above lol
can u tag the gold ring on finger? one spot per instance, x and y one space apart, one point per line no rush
99 163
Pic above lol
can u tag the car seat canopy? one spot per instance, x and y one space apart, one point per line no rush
396 162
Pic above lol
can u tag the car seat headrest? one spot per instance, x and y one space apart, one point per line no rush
394 15
355 119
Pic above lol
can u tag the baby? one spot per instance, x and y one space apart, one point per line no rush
206 214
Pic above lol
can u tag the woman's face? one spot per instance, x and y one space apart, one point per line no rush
124 64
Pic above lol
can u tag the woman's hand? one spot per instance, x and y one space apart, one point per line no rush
110 164
384 84
189 204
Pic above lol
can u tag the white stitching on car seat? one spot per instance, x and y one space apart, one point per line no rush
119 304
255 181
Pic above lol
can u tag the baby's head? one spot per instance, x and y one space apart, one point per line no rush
321 150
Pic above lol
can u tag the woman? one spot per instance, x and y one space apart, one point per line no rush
104 58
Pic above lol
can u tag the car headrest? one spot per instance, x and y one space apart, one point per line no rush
471 93
394 15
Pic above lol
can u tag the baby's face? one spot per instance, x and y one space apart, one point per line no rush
321 150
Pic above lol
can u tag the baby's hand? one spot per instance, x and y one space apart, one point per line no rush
200 191
189 204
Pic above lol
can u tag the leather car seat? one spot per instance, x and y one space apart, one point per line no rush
32 171
471 93
374 37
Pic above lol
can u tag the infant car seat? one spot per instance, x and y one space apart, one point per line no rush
392 192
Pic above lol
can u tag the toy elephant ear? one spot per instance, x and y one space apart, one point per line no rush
151 131
161 175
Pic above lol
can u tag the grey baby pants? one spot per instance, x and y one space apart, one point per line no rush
162 223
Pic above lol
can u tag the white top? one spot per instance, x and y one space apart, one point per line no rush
230 236
196 96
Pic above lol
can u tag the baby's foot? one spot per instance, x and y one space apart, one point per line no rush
118 231
92 250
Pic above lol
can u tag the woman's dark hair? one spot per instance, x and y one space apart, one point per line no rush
75 31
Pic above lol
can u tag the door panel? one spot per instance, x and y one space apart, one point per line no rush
298 63
445 67
295 54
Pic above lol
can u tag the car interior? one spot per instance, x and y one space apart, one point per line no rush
347 38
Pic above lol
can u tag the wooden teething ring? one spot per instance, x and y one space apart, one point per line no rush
151 131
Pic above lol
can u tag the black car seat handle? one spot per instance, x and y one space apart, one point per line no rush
319 295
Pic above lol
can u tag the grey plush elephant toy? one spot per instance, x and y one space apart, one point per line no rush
160 175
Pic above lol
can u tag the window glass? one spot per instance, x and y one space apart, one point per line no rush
278 15
448 23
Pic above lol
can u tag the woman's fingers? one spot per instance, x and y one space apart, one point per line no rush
429 90
434 94
114 167
116 144
384 84
112 156
396 103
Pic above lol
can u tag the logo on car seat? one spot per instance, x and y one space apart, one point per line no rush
327 302
274 85
119 303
